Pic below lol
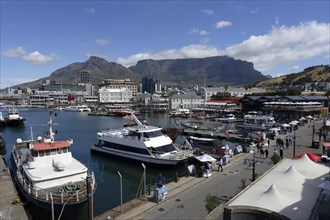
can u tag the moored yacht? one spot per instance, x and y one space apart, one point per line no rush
77 108
143 143
228 118
254 121
46 173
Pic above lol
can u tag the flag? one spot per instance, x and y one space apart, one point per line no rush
227 135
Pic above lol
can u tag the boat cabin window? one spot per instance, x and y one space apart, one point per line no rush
65 150
59 150
164 149
47 152
53 151
41 153
152 134
34 153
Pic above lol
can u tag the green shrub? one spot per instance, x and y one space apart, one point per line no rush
211 202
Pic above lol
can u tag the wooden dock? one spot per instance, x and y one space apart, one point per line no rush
10 205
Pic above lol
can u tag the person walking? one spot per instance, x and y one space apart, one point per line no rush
220 162
281 152
266 152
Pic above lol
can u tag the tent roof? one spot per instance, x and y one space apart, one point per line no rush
290 188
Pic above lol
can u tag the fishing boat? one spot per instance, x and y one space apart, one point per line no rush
77 108
142 143
47 175
14 118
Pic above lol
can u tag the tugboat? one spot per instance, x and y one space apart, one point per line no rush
13 118
46 173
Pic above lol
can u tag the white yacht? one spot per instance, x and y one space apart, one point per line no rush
228 118
255 121
77 108
47 174
143 143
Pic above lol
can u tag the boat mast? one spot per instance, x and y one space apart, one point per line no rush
204 97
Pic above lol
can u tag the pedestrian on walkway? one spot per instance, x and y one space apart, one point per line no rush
281 153
220 162
266 152
262 152
268 142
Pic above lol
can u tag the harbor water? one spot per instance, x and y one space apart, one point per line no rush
82 128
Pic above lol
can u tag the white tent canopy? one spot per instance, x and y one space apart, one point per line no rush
205 158
293 184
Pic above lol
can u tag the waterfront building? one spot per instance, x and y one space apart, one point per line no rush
107 96
147 102
120 83
150 84
187 101
40 100
208 92
288 107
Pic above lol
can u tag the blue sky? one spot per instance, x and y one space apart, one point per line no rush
279 37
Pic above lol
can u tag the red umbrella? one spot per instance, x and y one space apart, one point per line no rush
311 156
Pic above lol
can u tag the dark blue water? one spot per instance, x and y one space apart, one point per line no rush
83 128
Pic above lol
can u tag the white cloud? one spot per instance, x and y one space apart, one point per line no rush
222 24
190 51
17 52
89 10
39 59
199 32
294 68
284 45
208 12
35 57
102 42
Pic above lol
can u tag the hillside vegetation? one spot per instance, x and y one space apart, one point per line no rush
319 73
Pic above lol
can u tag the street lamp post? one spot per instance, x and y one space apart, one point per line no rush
313 132
253 166
144 181
294 144
121 193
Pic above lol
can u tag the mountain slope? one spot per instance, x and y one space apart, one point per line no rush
319 73
219 70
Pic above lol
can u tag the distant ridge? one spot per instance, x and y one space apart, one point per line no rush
219 70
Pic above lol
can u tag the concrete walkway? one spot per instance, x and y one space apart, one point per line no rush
186 198
10 206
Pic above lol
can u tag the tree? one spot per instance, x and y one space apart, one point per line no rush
211 202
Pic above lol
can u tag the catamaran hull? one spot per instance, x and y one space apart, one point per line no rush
137 158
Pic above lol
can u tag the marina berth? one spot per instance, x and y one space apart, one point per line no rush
47 174
142 143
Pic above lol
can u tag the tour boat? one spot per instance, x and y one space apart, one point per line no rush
142 143
253 121
46 173
77 108
14 118
180 112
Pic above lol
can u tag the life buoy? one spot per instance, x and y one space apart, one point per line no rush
214 151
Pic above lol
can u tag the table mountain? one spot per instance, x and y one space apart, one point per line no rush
219 70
